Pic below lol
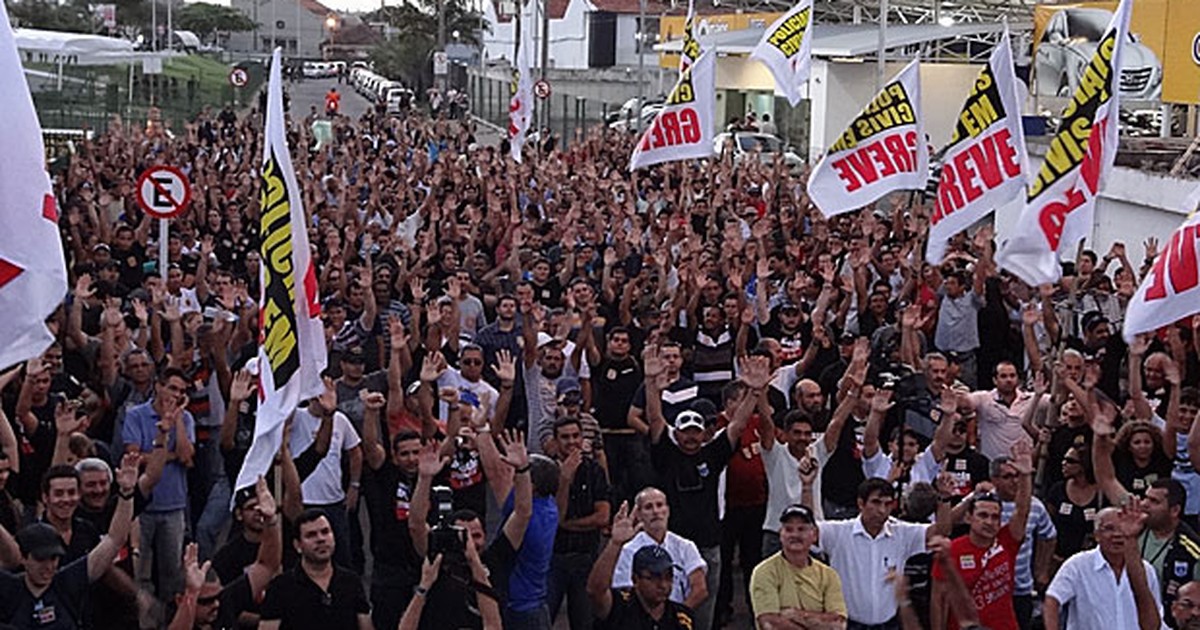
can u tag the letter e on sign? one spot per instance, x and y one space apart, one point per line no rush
163 191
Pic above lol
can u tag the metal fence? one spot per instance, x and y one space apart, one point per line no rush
564 114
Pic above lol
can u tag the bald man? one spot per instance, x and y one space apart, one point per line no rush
1186 607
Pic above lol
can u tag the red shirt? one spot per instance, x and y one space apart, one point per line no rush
990 575
746 481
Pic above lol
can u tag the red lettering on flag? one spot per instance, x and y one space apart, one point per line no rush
1179 261
672 128
880 159
1053 216
49 209
990 161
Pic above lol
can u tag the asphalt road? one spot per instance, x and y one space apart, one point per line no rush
311 93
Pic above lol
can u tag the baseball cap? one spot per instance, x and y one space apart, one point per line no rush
354 354
543 339
689 420
652 559
1093 319
798 510
566 386
40 541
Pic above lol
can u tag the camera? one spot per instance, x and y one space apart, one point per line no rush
445 538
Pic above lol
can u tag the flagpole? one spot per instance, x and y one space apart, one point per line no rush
162 249
881 53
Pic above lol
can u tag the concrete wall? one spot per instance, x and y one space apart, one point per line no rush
568 37
627 54
312 28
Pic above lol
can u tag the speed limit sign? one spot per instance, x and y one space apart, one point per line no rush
541 89
238 77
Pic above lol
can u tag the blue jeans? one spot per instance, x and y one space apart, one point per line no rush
214 517
568 579
703 615
162 550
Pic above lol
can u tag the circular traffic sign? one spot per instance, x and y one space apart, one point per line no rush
541 89
238 77
163 191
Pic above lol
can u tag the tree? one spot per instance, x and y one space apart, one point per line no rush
408 56
72 17
206 20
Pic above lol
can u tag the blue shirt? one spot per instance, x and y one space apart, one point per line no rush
140 429
527 584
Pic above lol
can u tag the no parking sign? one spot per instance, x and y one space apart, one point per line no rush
163 192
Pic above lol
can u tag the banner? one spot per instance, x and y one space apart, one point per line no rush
520 106
786 50
883 150
671 27
291 337
1061 203
1171 291
691 47
33 273
986 162
684 127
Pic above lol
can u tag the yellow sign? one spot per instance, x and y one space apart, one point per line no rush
278 316
672 27
1160 60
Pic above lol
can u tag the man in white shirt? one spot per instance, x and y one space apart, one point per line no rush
1110 586
864 550
787 465
323 488
653 511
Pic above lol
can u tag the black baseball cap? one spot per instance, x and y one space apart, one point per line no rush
354 354
41 541
652 559
797 510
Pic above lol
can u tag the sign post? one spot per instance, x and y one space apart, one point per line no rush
238 79
163 193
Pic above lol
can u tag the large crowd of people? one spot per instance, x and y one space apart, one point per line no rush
560 394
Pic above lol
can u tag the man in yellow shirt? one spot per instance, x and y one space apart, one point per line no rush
790 590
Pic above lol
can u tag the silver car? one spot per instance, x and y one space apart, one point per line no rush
748 143
1067 47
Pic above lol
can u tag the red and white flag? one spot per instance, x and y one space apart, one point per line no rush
291 337
33 273
1061 203
985 165
1171 291
883 150
786 50
684 128
520 106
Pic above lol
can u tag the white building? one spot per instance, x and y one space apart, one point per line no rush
283 23
583 33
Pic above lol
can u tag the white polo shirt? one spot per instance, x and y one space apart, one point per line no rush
1097 597
784 485
1000 425
863 563
683 552
324 485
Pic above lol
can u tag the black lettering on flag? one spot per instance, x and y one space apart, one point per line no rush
277 333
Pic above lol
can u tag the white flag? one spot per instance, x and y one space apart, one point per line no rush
883 150
684 127
986 163
1061 203
291 337
520 106
786 50
1171 291
691 47
33 274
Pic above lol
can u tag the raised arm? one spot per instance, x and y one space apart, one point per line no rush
373 451
101 557
880 404
270 552
654 368
756 374
1102 458
849 387
1023 461
429 465
599 583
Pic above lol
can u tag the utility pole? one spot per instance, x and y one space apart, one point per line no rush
546 57
881 53
441 43
641 42
170 32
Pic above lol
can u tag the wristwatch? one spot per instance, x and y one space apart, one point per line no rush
420 591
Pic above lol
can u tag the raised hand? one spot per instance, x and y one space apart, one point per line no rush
194 573
1171 372
429 462
1151 247
396 333
328 397
653 365
83 286
808 470
505 367
1132 518
755 371
127 474
372 400
432 367
266 507
515 453
66 421
1139 345
242 386
1030 315
862 351
1022 457
625 525
430 571
882 402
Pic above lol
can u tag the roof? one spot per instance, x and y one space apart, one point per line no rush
59 43
558 8
845 40
316 8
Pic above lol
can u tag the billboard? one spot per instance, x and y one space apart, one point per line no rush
671 27
1162 56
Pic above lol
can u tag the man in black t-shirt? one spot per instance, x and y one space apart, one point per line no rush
47 596
645 606
615 380
689 468
317 594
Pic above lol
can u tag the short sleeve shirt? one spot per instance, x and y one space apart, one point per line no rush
989 574
58 608
298 603
777 584
627 613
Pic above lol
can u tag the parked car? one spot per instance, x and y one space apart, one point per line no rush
747 144
625 111
399 99
648 114
1067 47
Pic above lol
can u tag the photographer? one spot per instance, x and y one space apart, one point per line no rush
470 570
